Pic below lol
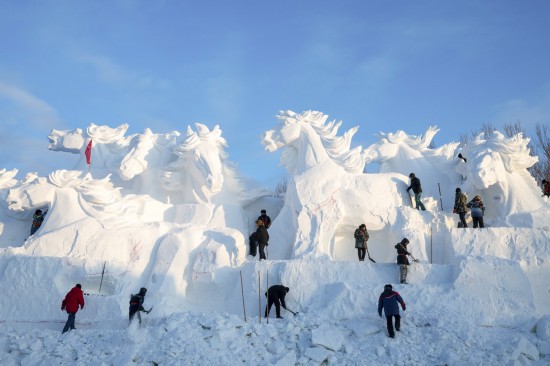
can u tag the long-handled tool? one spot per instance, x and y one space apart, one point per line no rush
414 259
295 313
368 254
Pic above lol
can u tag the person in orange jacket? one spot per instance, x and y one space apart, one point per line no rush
73 298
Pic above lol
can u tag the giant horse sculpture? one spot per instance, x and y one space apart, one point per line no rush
70 198
109 147
496 169
401 153
143 164
308 228
14 228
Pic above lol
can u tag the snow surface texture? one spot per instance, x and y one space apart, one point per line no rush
170 213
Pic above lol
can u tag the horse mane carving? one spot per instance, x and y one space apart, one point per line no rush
323 142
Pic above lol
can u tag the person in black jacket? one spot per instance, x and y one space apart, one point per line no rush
389 301
263 237
136 304
276 295
37 220
417 189
402 259
266 219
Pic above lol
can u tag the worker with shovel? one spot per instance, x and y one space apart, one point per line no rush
403 260
276 295
361 238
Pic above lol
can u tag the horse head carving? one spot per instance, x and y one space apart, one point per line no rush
309 140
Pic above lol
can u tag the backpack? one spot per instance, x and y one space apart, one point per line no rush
253 238
462 199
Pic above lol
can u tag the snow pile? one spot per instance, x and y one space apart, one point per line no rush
169 212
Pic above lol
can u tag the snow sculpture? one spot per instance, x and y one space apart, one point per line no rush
401 153
13 228
69 199
201 171
109 146
309 227
310 141
147 155
496 169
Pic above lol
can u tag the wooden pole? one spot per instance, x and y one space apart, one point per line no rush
440 199
242 295
259 298
102 273
267 304
431 246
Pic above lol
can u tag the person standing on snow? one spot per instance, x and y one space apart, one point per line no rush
545 188
402 259
390 300
460 207
265 219
417 189
136 305
73 298
263 238
37 220
361 237
276 295
476 205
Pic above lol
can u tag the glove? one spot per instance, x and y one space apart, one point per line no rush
404 308
380 314
62 308
81 307
454 210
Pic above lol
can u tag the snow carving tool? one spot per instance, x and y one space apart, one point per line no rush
295 313
368 254
148 311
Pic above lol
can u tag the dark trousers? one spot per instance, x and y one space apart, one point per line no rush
70 322
462 217
277 307
478 221
132 312
262 250
419 204
390 324
361 253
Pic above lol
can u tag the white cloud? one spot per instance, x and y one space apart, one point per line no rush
109 71
25 108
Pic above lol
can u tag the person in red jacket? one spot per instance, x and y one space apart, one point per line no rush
73 298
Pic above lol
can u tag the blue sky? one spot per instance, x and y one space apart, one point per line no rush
165 64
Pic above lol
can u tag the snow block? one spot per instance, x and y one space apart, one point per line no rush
543 327
327 337
318 354
526 349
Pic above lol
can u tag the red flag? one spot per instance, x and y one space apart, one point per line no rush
89 153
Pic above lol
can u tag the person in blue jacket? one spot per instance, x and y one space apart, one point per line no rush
390 300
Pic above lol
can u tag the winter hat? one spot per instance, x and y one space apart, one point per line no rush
263 211
477 198
38 212
78 285
142 290
388 287
458 190
411 175
362 226
405 241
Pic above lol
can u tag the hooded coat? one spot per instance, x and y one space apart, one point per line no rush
402 254
389 301
73 298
